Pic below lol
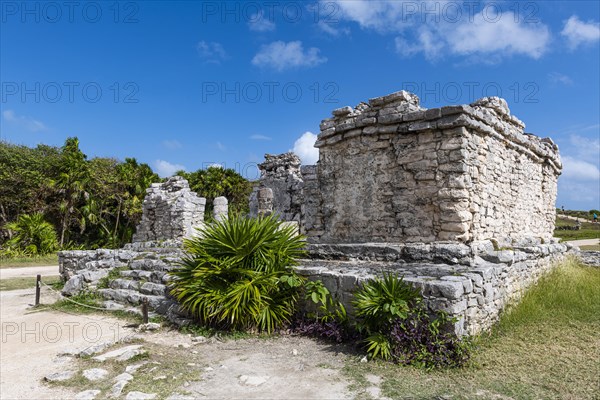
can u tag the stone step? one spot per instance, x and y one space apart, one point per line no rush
124 284
148 264
146 276
128 296
157 289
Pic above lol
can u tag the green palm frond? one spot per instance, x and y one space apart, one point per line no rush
231 276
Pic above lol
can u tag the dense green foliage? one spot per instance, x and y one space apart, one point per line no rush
91 203
239 274
32 236
396 325
216 181
378 303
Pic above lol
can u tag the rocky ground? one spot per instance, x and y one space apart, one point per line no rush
55 355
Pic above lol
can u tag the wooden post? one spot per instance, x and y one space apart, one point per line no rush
38 287
145 310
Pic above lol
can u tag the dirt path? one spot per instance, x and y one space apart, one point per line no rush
21 272
31 342
584 242
277 368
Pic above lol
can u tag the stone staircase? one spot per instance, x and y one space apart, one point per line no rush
126 277
145 278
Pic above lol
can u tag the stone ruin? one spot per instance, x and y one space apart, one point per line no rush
458 199
392 171
171 213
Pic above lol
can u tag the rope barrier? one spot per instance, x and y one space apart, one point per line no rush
75 302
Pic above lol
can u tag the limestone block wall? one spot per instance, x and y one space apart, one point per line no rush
391 171
171 211
473 282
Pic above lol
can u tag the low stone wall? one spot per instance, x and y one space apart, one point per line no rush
471 282
138 271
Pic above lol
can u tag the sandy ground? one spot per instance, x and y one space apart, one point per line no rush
20 272
585 242
32 340
289 367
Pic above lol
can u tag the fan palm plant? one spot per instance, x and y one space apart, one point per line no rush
33 235
239 274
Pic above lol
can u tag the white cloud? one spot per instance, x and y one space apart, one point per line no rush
381 16
583 195
211 52
259 23
215 165
220 146
27 123
439 28
280 56
479 38
305 148
557 77
172 144
585 148
332 29
260 137
165 169
578 32
579 170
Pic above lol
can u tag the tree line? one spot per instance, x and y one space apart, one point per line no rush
56 198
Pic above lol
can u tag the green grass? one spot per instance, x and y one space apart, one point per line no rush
27 282
595 247
51 259
588 230
545 347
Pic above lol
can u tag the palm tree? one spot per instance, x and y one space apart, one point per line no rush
71 182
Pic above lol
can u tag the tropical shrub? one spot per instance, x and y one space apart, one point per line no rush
239 274
378 304
396 325
327 320
427 341
32 236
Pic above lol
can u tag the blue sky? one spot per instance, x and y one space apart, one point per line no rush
189 84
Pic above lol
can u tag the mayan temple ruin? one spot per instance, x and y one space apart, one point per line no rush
458 199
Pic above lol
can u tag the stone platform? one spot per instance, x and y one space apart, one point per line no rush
471 282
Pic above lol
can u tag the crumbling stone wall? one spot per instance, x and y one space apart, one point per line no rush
281 173
392 171
471 282
171 211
